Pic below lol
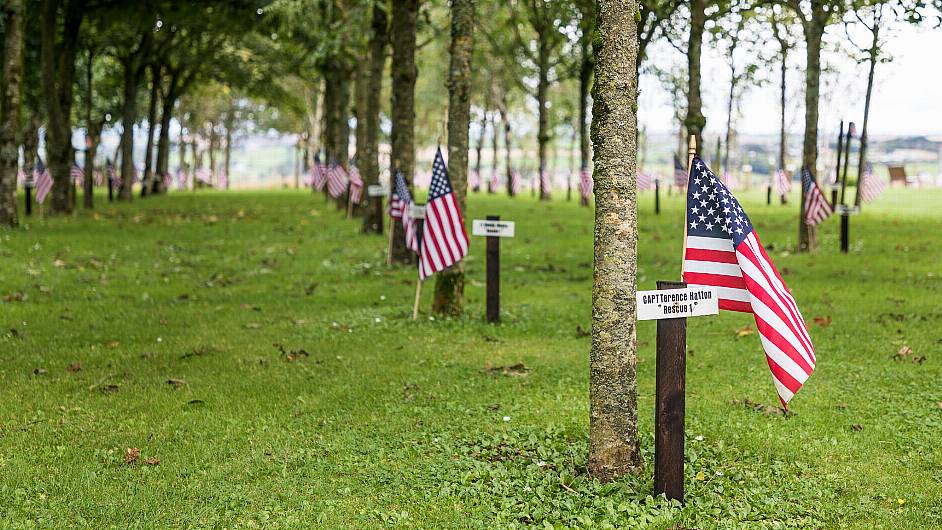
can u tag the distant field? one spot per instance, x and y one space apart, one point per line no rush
257 351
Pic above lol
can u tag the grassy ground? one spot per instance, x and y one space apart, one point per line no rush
258 353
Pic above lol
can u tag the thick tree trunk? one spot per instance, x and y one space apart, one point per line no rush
814 29
449 283
360 104
613 408
542 99
91 151
508 138
695 121
146 181
163 141
128 118
59 50
12 12
369 161
404 74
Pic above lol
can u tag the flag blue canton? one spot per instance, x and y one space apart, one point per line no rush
806 180
402 191
712 210
440 184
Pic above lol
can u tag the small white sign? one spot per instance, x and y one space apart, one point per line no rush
417 211
376 190
483 227
843 209
678 303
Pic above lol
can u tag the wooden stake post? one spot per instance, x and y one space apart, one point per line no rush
493 229
844 210
28 188
418 213
657 196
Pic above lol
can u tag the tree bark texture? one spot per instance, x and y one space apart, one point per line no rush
369 161
862 156
814 30
613 431
404 74
12 12
148 177
695 121
449 283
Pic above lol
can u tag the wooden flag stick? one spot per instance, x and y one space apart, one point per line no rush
349 203
418 297
392 228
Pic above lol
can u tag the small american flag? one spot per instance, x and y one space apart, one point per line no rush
444 239
112 177
783 184
76 174
585 183
817 207
42 180
99 178
356 185
204 175
403 197
515 182
680 173
318 173
645 181
474 180
723 250
336 180
871 186
168 180
223 180
495 182
20 177
181 179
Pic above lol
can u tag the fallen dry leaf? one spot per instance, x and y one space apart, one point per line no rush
823 321
58 263
856 427
74 367
745 331
176 383
131 454
113 344
152 461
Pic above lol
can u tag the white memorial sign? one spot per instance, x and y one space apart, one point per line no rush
696 301
417 211
376 190
482 227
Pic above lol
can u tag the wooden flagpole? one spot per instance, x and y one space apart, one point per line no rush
419 228
418 297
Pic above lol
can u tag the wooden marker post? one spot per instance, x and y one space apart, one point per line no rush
844 210
418 213
657 196
671 304
768 194
28 189
493 229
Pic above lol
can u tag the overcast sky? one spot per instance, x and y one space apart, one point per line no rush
907 95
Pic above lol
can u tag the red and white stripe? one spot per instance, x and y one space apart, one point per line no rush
871 186
444 240
645 181
817 207
783 184
43 182
76 174
495 182
336 181
356 185
515 182
585 183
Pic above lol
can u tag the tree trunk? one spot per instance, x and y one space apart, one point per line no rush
213 147
814 29
613 410
695 121
404 74
92 137
128 118
163 141
585 82
12 12
729 122
360 96
58 53
449 283
373 220
479 146
508 137
862 156
495 159
542 99
151 128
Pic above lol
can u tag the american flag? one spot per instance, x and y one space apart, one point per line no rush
76 174
474 180
817 207
112 177
318 173
585 183
495 182
42 180
444 239
356 185
645 181
783 184
168 180
20 177
403 197
730 181
99 178
871 186
680 173
204 175
723 250
336 180
515 182
181 179
223 180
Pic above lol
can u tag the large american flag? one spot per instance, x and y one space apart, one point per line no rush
42 180
336 180
723 250
399 209
871 186
783 184
444 239
817 207
356 185
585 183
680 173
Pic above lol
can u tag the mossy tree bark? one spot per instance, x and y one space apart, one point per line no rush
613 414
404 74
379 35
12 13
449 283
587 25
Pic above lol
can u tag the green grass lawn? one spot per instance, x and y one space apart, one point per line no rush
258 352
